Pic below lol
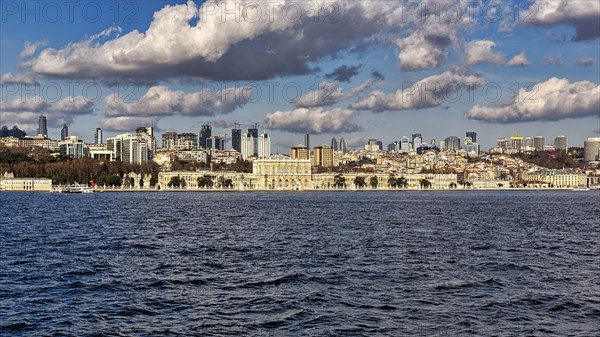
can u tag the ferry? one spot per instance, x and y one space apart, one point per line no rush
75 188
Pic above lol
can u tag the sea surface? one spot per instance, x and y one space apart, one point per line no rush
495 263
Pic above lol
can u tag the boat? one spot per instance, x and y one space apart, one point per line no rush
75 188
581 188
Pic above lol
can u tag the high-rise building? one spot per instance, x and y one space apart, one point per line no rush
404 144
452 143
264 146
130 148
473 136
98 136
538 143
560 143
300 152
591 149
471 147
236 138
372 145
64 132
323 156
205 134
146 134
334 144
343 146
247 145
179 141
216 143
254 132
71 147
416 140
380 145
395 146
42 126
517 143
503 144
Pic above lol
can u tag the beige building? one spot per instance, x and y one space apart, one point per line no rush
556 179
300 152
9 183
325 181
39 141
323 156
282 173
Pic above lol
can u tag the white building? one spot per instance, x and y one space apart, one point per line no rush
247 145
71 147
264 146
9 183
591 149
130 148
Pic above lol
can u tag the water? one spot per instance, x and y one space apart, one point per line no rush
313 264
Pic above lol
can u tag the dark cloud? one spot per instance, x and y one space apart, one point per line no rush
344 73
586 62
376 75
582 15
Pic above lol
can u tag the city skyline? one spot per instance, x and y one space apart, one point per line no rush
391 71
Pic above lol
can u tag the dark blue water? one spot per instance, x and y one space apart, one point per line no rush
311 264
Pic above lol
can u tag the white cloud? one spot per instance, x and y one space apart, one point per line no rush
162 101
583 15
428 92
313 120
27 79
519 60
330 93
175 46
552 100
30 48
126 124
480 51
27 110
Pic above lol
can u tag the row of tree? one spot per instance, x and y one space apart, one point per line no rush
62 170
206 181
339 181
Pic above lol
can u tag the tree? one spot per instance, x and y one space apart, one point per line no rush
205 181
176 182
392 181
339 181
373 182
425 183
452 185
228 183
500 185
402 182
359 182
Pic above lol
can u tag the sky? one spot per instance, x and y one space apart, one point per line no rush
335 68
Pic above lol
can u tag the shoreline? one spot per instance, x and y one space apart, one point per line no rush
315 190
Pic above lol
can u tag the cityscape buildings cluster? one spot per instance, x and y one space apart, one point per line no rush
444 164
